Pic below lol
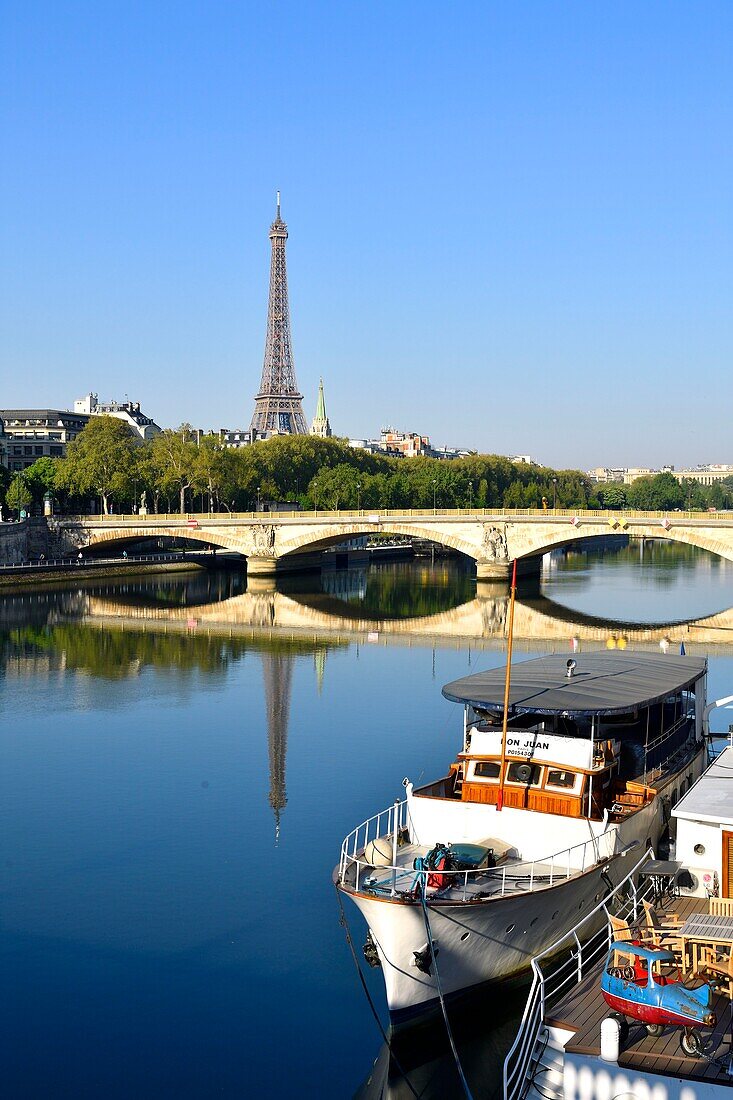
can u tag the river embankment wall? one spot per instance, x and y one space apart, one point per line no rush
13 542
72 573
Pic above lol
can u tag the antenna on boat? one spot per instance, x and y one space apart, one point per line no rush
507 684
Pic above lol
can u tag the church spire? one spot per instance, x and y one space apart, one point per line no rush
320 425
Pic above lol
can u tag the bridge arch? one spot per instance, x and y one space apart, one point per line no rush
534 543
218 538
321 539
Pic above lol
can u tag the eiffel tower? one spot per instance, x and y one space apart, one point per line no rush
278 407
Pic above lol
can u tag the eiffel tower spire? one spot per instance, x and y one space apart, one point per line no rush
278 405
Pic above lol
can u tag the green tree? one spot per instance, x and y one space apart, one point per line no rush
612 496
661 492
174 462
210 469
18 495
41 477
336 488
100 460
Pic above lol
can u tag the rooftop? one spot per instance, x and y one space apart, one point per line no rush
710 799
40 414
602 683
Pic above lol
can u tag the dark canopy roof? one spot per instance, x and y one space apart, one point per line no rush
602 683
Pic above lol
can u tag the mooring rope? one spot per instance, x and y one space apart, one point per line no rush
347 932
448 1028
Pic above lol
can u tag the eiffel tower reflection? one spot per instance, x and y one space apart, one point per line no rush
277 671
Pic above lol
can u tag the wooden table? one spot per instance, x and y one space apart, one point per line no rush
703 929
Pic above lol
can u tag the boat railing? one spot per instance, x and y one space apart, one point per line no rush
568 961
670 731
356 870
387 824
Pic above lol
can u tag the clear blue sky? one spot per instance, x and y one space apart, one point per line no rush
510 224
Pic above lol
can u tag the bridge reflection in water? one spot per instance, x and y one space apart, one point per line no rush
539 623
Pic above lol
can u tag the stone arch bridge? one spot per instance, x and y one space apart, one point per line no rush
493 539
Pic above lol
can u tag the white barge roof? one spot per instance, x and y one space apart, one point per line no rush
602 683
711 798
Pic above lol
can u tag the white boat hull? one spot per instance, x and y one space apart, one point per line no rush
493 939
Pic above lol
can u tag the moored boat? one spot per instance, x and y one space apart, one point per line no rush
641 1007
559 785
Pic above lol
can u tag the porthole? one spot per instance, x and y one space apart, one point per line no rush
699 849
510 928
465 936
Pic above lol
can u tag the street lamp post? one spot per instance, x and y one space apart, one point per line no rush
258 498
358 496
315 493
435 489
554 493
470 494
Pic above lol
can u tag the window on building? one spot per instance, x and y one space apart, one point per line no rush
27 450
38 450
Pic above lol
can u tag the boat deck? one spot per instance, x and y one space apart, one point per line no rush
510 876
583 1008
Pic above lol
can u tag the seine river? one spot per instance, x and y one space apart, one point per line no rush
180 761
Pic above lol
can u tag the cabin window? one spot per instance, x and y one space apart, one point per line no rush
560 779
528 775
486 769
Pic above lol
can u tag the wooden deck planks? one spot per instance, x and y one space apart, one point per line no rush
582 1008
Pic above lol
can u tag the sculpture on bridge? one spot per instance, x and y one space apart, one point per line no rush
493 544
263 540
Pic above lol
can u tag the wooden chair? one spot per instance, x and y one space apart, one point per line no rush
661 930
663 920
620 930
721 907
717 965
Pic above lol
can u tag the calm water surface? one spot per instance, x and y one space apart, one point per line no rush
180 760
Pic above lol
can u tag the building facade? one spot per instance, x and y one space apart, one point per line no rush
30 434
406 445
129 411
